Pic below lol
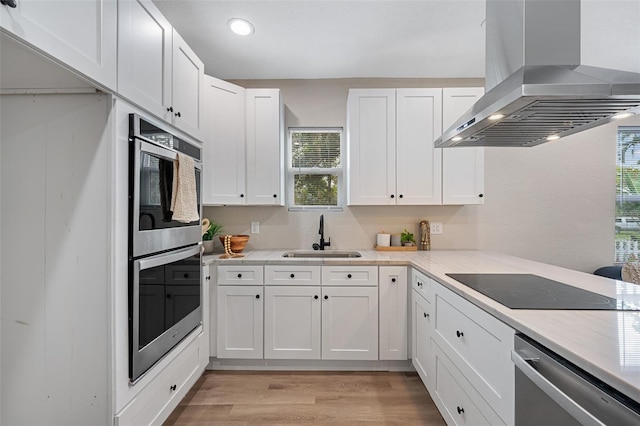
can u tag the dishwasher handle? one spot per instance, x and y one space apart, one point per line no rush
557 395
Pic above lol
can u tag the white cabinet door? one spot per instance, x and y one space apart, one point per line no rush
371 146
240 310
421 326
350 323
462 168
292 322
393 312
418 163
265 151
79 33
223 150
144 56
187 87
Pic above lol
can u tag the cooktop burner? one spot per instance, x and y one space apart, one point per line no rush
528 291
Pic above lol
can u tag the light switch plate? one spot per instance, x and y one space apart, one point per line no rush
255 227
436 228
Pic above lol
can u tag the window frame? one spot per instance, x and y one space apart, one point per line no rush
291 172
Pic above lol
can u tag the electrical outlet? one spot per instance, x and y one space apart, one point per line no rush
436 228
255 227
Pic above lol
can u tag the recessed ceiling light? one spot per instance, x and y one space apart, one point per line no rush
240 26
553 137
621 115
456 138
495 117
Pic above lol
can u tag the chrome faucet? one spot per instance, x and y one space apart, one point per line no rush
322 244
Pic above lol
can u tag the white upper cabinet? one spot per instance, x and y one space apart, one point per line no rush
392 160
371 139
265 151
156 69
78 33
187 87
224 148
463 168
144 63
418 163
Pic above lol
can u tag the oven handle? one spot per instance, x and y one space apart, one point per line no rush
166 153
165 258
559 397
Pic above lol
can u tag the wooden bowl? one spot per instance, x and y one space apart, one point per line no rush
238 242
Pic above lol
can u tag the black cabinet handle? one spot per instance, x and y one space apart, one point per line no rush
326 297
419 284
257 296
169 296
208 278
241 195
10 3
177 114
401 196
239 275
170 109
315 297
293 275
460 410
426 315
348 275
393 280
173 387
186 275
275 195
393 196
480 195
459 333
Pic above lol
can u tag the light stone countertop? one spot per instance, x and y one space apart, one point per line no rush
604 343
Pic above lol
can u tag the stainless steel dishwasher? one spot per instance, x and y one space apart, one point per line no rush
551 391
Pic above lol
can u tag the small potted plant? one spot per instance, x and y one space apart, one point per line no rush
406 238
209 231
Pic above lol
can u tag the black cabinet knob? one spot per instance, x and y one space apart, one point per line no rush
460 410
348 275
208 278
401 196
170 109
426 315
275 195
169 296
393 280
326 297
186 275
241 195
459 333
10 3
393 196
419 284
239 275
173 387
480 195
315 297
257 296
293 275
177 114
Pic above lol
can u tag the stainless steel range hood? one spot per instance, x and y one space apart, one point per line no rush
547 92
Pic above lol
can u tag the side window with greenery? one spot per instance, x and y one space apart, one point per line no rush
627 221
314 172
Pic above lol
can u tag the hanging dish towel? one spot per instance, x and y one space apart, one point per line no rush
184 199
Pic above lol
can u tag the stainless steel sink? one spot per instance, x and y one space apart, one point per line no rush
322 253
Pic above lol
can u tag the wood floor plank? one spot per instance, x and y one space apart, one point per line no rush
241 398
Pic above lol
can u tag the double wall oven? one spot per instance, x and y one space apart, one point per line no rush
164 255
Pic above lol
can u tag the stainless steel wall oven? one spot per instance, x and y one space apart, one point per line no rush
165 294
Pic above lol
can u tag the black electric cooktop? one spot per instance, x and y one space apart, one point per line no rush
528 291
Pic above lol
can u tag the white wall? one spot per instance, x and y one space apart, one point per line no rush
553 203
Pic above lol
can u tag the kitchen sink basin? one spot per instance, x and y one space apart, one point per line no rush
322 253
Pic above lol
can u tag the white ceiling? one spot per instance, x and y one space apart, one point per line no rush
310 39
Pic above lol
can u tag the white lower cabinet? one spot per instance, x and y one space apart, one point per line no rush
240 313
350 323
421 326
292 322
393 312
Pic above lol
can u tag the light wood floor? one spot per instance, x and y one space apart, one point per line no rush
304 398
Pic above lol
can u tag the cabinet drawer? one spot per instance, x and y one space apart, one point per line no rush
421 283
480 346
458 401
350 275
156 401
240 275
292 275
